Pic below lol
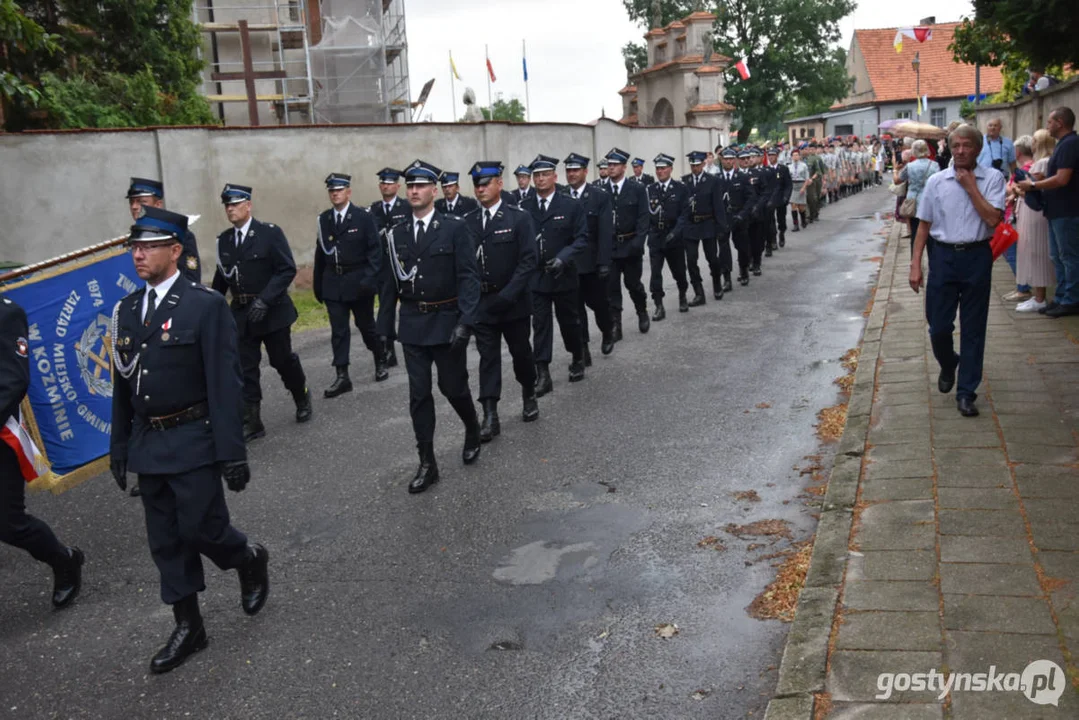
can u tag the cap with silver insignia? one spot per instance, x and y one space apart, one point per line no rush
617 156
155 225
543 162
338 181
388 175
142 187
483 171
663 160
574 161
696 157
233 194
421 173
449 178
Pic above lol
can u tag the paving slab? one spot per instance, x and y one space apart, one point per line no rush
891 595
877 630
989 579
998 614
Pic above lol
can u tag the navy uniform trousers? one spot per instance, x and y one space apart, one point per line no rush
626 271
452 383
278 345
17 528
675 256
592 292
569 322
959 279
362 309
489 343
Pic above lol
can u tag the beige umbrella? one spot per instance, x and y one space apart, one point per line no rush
921 130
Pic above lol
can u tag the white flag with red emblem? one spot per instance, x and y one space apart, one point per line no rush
743 68
921 34
31 462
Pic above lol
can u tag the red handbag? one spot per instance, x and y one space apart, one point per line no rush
1003 238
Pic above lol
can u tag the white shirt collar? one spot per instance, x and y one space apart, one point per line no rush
391 204
617 186
493 210
426 220
451 204
243 228
342 213
578 190
549 199
161 290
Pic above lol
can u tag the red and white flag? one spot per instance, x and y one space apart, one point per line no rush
490 70
743 68
31 462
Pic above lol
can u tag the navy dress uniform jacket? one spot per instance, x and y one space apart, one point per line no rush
631 219
195 360
645 179
666 208
785 185
519 197
445 270
400 212
190 267
262 266
705 213
563 233
739 194
14 359
347 259
599 214
506 258
756 197
771 192
462 206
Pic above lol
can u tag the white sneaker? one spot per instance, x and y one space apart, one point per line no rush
1030 305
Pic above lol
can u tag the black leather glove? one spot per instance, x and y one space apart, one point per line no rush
118 466
603 271
556 267
258 310
236 474
498 305
669 239
459 337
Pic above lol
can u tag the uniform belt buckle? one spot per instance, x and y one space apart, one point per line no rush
338 270
422 306
157 424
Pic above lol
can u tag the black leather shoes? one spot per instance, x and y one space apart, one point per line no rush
756 270
530 408
391 354
303 405
253 427
67 578
490 428
255 579
659 313
717 288
966 406
341 384
544 384
683 303
427 472
135 491
576 370
587 355
643 323
616 333
782 238
727 286
187 638
698 295
607 344
946 379
381 371
470 453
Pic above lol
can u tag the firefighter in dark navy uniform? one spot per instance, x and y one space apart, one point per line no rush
452 201
601 170
17 527
177 422
388 211
561 237
783 174
348 262
756 203
639 174
737 192
667 199
631 221
704 221
141 192
506 257
255 265
524 190
438 285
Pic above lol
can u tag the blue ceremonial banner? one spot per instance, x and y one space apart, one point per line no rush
70 317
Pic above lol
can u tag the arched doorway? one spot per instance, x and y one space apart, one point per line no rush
663 113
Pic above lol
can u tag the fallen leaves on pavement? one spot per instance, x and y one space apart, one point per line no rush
761 528
779 600
747 495
713 543
666 630
831 421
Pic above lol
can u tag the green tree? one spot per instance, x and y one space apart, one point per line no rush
790 46
512 111
1045 33
636 57
24 43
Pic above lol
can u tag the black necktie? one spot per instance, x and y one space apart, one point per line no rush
615 188
151 305
543 205
239 238
486 218
420 234
387 208
574 194
337 224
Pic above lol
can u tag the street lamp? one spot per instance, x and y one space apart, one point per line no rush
916 63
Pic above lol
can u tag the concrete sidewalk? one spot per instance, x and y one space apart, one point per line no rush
945 543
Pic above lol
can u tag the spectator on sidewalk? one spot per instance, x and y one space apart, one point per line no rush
915 174
1061 192
897 169
1024 158
1034 268
997 151
959 209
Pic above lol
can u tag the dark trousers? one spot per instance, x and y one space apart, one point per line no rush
964 280
756 242
282 359
186 518
769 223
489 343
711 249
781 217
17 528
627 271
362 309
592 292
675 256
387 301
813 200
569 322
452 382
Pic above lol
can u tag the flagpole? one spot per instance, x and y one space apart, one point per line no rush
490 105
528 103
453 92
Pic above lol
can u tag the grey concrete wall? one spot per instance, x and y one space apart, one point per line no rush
63 191
1023 117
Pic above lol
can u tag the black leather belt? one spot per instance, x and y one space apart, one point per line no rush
489 287
701 218
241 300
433 305
622 237
191 414
961 247
345 269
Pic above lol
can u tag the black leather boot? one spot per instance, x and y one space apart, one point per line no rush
768 249
698 295
794 216
782 238
302 398
490 427
617 333
643 323
254 579
341 384
727 285
683 303
606 345
587 355
530 408
466 409
756 270
390 351
717 286
381 371
743 279
427 472
67 578
253 427
544 384
187 638
660 313
576 369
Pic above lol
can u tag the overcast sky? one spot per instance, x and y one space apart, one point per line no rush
575 66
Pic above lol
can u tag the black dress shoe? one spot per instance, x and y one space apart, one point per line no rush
255 579
587 355
698 295
490 427
606 345
1051 305
617 332
768 251
530 409
727 286
67 578
576 370
743 280
717 288
381 371
756 270
391 355
186 640
427 472
966 406
683 303
135 491
544 384
341 384
1062 310
303 405
470 453
253 427
660 313
643 323
782 238
946 379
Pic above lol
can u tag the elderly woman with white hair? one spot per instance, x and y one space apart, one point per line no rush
915 174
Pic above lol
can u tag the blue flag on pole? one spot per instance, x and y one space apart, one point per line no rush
524 66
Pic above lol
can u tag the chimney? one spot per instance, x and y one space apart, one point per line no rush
931 20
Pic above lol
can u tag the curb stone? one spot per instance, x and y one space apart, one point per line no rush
803 669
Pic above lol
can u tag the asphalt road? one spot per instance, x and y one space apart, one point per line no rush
526 586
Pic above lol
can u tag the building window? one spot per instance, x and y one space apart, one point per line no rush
844 130
937 117
902 114
803 132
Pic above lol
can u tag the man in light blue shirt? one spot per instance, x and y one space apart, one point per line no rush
959 210
997 151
